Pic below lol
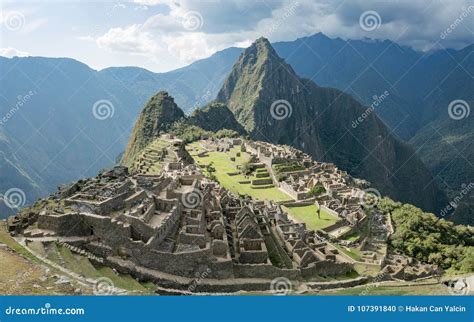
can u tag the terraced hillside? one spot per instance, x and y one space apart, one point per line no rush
152 158
227 166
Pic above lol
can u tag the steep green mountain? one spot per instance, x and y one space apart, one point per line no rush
159 113
274 104
447 145
215 116
445 142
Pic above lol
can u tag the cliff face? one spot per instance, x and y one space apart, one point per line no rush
215 116
275 105
159 113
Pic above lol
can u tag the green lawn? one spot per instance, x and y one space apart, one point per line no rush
224 165
352 237
307 214
82 265
371 289
351 252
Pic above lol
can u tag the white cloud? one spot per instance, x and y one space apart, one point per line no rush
12 52
131 39
219 24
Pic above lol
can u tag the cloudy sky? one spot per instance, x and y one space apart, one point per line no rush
162 35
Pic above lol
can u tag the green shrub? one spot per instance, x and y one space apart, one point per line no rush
287 167
316 190
430 239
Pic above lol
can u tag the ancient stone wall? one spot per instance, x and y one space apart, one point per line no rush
64 225
326 268
264 271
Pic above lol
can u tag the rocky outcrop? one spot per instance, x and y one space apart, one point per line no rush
159 113
216 116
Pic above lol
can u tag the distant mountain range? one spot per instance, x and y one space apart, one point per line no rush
54 137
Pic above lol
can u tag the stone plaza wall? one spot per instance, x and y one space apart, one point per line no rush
264 271
182 263
297 195
79 224
326 268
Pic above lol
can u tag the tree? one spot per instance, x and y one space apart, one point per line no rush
430 239
316 190
211 170
247 167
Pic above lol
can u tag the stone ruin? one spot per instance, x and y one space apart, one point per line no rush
166 227
176 223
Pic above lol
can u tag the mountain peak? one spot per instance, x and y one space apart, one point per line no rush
258 71
262 41
156 117
162 95
260 48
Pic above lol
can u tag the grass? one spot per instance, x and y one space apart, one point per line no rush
352 237
371 289
22 273
6 239
308 215
351 252
223 165
84 267
20 276
366 269
125 282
